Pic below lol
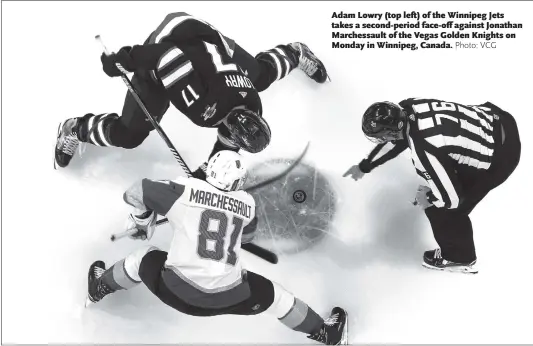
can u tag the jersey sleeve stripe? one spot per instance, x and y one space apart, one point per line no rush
170 56
285 60
416 160
170 24
278 64
384 150
177 74
445 181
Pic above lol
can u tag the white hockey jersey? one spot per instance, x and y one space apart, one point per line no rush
203 266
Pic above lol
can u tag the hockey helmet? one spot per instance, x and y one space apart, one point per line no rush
384 122
248 130
226 171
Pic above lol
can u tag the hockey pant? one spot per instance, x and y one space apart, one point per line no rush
147 265
132 127
452 228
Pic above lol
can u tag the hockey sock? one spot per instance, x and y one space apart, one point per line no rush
302 318
293 312
94 129
282 59
124 274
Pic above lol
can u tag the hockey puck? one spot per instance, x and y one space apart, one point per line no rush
299 196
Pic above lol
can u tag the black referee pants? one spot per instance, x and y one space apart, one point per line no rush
452 228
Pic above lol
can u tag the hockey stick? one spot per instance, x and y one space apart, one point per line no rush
156 126
256 250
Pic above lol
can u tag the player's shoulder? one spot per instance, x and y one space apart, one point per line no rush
244 196
192 183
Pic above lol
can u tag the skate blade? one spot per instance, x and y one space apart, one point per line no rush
344 337
328 79
457 269
88 302
58 132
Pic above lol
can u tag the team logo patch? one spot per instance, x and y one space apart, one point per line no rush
243 94
209 111
373 124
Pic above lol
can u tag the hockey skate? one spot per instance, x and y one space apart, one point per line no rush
334 331
309 63
433 260
67 142
97 288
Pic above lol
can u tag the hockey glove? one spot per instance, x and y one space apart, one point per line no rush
355 173
122 57
421 198
144 222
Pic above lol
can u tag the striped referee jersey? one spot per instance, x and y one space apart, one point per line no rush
441 136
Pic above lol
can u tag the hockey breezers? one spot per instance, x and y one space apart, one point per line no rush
255 249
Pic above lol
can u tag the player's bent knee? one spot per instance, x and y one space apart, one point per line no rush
132 263
124 137
135 139
283 302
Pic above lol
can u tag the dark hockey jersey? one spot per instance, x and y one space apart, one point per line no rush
443 137
193 62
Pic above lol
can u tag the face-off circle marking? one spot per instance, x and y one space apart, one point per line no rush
294 212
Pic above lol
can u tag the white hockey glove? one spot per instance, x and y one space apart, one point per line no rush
144 222
421 198
355 173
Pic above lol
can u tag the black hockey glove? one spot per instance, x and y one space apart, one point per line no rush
122 57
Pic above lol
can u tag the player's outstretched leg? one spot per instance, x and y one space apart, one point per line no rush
297 315
433 260
278 62
122 275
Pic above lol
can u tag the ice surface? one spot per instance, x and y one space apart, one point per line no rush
56 223
295 211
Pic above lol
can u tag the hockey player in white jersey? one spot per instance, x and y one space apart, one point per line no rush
202 274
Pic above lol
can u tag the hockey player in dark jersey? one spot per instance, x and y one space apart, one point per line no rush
461 152
205 75
202 273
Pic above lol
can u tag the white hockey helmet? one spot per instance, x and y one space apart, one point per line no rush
226 171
